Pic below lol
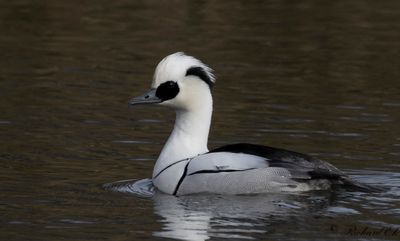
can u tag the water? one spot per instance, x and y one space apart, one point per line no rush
315 77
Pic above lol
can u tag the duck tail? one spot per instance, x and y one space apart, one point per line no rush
361 187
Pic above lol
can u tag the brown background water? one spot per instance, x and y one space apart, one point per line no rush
320 77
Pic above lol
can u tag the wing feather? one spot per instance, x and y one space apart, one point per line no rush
301 166
224 162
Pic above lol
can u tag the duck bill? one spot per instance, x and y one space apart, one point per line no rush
147 98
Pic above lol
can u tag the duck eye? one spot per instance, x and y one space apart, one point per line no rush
167 90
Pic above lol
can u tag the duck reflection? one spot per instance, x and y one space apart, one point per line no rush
202 217
206 216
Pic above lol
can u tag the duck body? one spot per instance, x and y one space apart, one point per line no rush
186 166
247 168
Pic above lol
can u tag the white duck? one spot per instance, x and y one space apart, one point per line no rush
186 166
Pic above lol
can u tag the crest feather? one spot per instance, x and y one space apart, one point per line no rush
178 65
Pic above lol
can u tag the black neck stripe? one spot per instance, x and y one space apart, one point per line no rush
201 73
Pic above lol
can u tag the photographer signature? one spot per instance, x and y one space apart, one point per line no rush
367 231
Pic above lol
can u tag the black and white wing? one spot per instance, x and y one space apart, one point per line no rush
247 168
300 165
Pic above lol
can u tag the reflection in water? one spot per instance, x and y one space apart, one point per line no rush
208 216
181 222
200 217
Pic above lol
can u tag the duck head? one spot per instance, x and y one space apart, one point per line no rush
181 82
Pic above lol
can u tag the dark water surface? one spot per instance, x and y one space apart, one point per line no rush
320 77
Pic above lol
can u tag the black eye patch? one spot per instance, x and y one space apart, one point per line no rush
167 90
201 73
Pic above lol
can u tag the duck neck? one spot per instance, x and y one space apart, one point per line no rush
189 137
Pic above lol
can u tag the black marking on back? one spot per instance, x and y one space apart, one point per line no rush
219 171
270 153
202 74
181 179
301 166
167 90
